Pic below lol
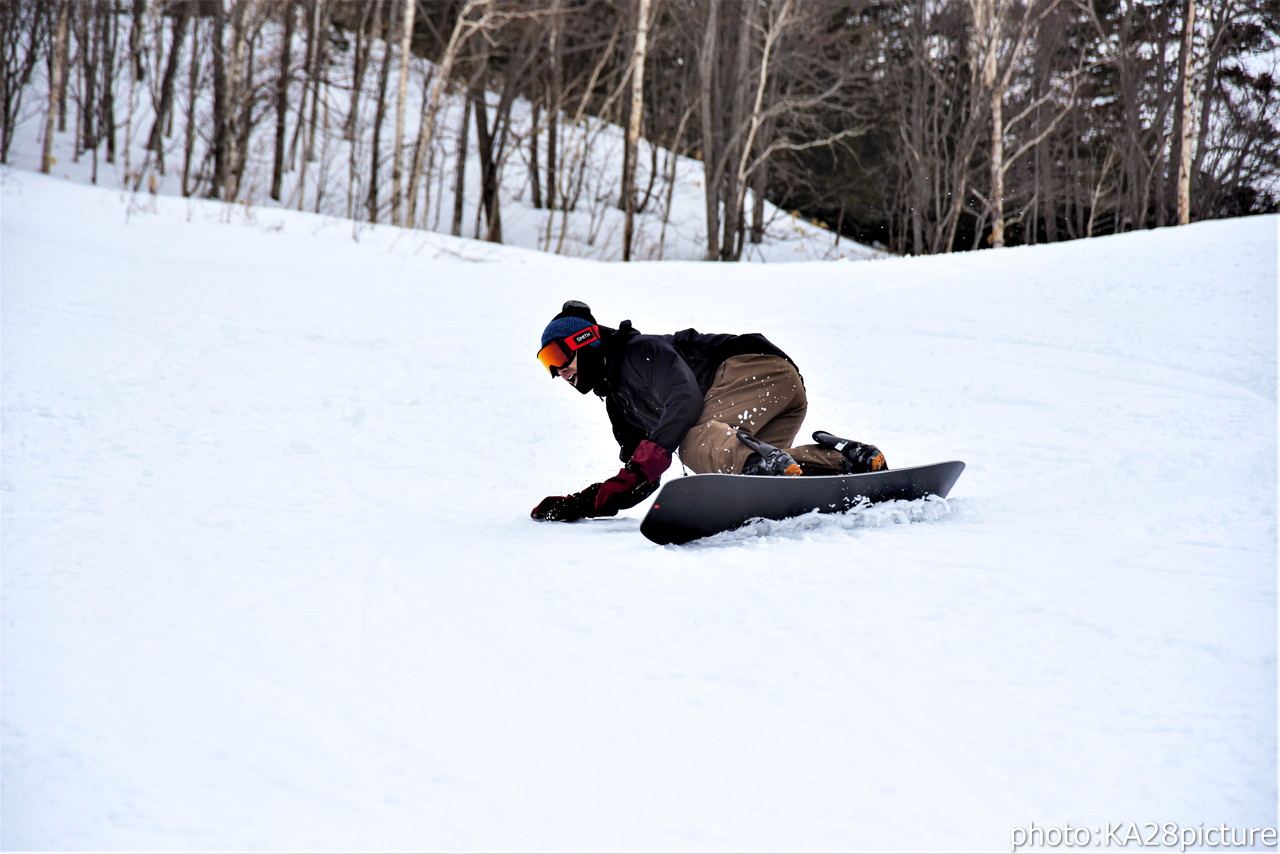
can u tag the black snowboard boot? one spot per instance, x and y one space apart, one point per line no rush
858 458
766 459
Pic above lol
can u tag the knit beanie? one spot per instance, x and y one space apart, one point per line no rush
574 316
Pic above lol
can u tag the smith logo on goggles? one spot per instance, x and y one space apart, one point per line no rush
560 352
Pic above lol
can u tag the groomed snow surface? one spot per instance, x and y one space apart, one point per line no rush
270 580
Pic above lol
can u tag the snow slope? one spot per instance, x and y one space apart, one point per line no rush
269 580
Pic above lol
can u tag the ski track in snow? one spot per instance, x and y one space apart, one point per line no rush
269 580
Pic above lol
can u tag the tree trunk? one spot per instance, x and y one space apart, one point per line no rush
57 82
366 31
402 91
1184 109
488 170
315 74
460 170
739 129
282 101
554 95
193 81
107 118
759 188
535 169
310 99
90 46
137 39
364 42
220 106
639 50
710 105
234 70
987 25
155 141
244 121
997 167
379 117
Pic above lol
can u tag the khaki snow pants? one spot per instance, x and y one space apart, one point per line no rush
765 396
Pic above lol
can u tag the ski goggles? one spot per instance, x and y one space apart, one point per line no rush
561 351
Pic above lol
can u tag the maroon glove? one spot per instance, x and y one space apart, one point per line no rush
650 460
635 482
567 508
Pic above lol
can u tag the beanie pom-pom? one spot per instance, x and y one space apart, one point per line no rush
575 308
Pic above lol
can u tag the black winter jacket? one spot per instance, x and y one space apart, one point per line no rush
654 385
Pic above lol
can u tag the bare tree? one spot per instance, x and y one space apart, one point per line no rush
109 36
23 28
553 89
193 85
57 83
89 49
1237 144
1183 114
1001 51
137 40
460 170
710 106
755 119
317 48
1134 43
164 107
380 111
283 79
369 24
313 77
638 54
402 90
464 26
235 91
773 77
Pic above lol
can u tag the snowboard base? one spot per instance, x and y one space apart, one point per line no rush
701 505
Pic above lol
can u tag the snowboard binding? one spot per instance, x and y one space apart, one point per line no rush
766 459
859 458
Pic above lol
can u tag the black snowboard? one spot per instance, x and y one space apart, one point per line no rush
704 504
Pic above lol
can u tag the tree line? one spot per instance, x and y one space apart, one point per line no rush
926 127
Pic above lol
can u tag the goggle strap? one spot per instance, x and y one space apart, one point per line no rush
583 338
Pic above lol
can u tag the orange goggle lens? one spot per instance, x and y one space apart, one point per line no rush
560 352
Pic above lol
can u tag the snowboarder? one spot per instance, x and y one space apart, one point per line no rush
728 403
